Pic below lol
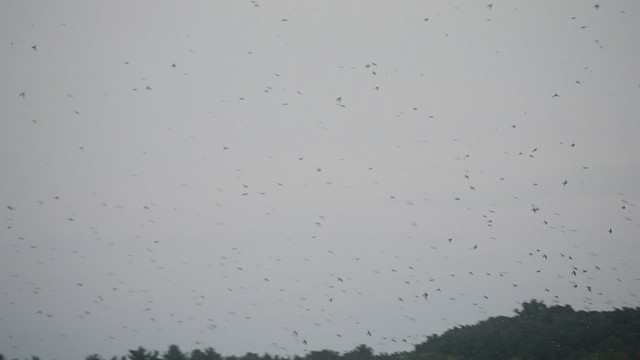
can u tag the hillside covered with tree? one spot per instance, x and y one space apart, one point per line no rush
541 332
535 332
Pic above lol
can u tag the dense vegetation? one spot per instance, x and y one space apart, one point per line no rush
536 332
541 332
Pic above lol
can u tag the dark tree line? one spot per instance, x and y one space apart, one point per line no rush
535 332
541 332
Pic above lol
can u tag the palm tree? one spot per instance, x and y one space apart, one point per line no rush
142 354
174 353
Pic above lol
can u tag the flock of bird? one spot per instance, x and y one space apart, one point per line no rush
246 225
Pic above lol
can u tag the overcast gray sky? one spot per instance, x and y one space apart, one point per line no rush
233 173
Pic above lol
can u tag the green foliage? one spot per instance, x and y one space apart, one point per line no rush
174 353
323 355
536 332
541 332
207 354
361 352
142 354
250 356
